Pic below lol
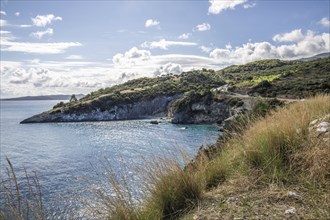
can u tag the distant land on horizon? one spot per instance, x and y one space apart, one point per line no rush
321 55
43 97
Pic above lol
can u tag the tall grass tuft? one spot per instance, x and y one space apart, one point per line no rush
169 190
120 203
173 190
270 143
18 204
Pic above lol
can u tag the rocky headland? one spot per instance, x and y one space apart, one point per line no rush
199 96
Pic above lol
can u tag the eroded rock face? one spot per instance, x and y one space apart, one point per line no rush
141 109
206 110
202 113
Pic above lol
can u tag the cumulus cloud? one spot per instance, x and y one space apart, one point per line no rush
151 23
324 22
3 13
131 57
169 68
217 6
43 20
41 34
202 27
36 76
74 57
51 77
165 44
37 48
309 44
184 36
17 13
293 36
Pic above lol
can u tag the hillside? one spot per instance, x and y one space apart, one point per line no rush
161 96
276 78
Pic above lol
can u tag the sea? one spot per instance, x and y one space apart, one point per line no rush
72 160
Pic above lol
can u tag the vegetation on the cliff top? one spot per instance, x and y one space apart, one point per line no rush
292 79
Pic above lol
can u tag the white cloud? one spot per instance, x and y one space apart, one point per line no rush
3 13
42 78
249 5
3 23
131 57
169 68
25 25
74 57
6 36
41 34
218 6
43 20
151 23
164 44
37 48
293 36
202 27
184 36
324 22
205 49
17 13
228 46
310 44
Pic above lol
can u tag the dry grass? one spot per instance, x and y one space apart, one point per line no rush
242 198
169 190
15 204
173 190
270 143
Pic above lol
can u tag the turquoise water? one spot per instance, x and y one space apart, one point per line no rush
67 157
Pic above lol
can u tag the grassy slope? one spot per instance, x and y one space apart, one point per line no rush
273 156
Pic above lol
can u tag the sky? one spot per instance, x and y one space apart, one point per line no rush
71 47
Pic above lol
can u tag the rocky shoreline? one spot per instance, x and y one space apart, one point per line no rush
205 109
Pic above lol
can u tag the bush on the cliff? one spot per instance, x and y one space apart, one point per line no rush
59 105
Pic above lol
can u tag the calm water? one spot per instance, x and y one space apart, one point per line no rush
67 157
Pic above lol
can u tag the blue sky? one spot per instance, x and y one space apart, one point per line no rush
64 47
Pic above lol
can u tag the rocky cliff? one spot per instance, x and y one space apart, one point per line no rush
191 108
195 108
125 111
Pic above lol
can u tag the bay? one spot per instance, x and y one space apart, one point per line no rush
68 157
